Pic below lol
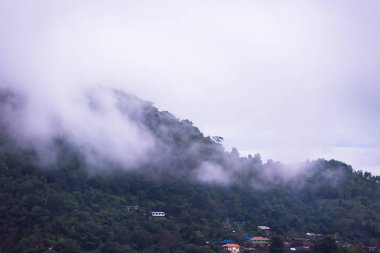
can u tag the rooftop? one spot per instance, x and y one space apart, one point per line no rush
232 245
259 238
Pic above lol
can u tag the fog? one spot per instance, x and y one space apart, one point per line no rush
292 80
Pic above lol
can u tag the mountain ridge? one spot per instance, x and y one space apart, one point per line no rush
75 205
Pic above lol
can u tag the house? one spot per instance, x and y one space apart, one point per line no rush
232 247
258 240
247 238
297 242
227 225
371 249
158 214
312 235
130 208
264 229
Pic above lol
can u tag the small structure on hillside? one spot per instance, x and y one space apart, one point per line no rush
132 208
296 242
312 235
232 247
227 224
158 214
264 230
247 238
259 241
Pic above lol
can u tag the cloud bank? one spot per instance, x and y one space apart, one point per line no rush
289 79
105 125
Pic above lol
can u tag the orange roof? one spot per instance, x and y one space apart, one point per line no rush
232 245
258 238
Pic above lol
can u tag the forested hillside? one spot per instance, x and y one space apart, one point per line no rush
72 205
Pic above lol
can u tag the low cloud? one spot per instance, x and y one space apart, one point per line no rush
103 124
213 173
292 80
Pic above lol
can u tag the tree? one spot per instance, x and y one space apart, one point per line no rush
356 249
276 245
217 139
326 245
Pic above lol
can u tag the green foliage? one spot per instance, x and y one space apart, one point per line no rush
276 245
326 245
63 210
67 207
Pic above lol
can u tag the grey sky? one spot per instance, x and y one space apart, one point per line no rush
291 80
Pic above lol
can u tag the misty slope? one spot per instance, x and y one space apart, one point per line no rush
77 205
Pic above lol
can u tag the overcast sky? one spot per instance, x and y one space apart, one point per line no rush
292 80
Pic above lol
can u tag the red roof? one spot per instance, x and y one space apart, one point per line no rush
258 238
232 245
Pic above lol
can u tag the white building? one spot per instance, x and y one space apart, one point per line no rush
158 214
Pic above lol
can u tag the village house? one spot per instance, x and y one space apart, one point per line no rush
158 214
232 247
296 242
264 230
257 240
312 235
130 208
227 241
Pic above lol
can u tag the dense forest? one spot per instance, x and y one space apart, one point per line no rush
71 205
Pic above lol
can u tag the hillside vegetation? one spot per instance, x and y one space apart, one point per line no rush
70 205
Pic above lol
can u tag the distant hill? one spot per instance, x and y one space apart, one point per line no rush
71 205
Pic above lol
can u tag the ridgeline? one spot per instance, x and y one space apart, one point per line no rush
206 193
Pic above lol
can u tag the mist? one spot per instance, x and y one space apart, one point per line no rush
103 125
290 80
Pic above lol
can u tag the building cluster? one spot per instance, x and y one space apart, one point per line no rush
261 244
251 243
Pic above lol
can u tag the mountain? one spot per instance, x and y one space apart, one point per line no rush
80 200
